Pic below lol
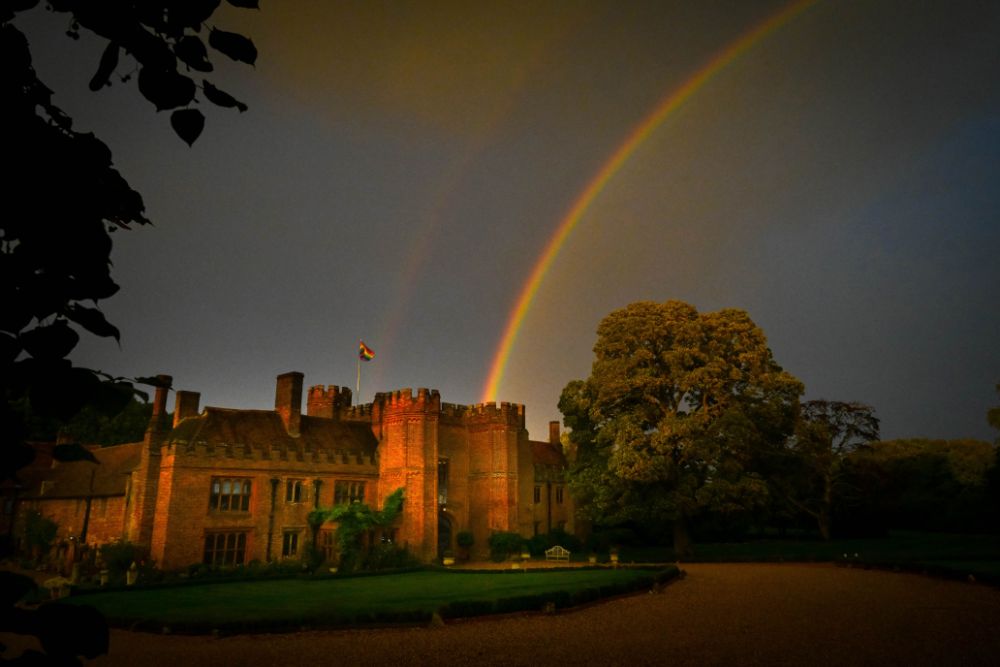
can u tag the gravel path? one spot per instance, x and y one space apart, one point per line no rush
718 615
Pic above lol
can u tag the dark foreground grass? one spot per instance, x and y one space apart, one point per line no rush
393 598
941 553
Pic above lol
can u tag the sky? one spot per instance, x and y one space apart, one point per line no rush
404 167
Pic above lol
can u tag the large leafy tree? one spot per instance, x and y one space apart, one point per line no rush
827 432
677 407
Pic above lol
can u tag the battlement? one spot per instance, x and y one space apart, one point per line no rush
511 414
327 401
403 400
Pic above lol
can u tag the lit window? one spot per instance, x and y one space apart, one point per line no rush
348 492
225 548
293 491
230 495
290 544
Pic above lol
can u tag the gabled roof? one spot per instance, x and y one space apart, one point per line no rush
79 479
264 429
545 453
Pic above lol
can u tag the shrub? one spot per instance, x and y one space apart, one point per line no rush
387 557
39 532
119 556
503 544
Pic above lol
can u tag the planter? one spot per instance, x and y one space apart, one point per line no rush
448 560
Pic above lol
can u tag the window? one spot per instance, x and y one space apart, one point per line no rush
559 494
293 491
290 544
442 481
538 494
230 495
348 492
225 548
328 544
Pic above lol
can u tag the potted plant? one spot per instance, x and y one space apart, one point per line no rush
464 540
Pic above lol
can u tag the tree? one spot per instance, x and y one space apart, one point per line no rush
674 412
64 198
826 433
354 520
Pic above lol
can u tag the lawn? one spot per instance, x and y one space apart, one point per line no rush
412 596
963 554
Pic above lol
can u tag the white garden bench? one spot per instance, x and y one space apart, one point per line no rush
557 553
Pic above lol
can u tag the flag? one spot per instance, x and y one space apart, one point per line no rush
365 353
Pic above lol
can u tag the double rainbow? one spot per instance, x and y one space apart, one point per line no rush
673 101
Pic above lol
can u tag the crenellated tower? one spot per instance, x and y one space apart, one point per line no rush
496 433
408 454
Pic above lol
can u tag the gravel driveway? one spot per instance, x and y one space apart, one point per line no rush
728 614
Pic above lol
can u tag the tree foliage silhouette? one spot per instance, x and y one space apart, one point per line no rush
63 198
675 409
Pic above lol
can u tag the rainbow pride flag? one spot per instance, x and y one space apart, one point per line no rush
365 353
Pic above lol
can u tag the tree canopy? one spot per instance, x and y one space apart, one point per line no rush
64 197
677 406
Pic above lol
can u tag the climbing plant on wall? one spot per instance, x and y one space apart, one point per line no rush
355 519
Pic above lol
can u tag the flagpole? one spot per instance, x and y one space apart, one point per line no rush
358 388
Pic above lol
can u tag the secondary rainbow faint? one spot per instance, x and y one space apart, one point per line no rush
673 101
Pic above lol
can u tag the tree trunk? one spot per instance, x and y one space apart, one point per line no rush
825 515
682 538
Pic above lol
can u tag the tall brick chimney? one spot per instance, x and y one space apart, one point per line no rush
554 433
288 401
186 406
157 421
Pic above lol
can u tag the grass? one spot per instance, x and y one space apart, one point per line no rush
944 553
412 596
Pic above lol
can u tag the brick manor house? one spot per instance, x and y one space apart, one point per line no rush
228 486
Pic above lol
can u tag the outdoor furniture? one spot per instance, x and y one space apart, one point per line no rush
557 553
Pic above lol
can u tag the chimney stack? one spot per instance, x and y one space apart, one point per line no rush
554 433
157 419
186 405
288 401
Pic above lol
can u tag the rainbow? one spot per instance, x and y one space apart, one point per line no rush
669 104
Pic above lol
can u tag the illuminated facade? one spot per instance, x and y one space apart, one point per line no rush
231 486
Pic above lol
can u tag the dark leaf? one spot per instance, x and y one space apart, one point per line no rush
109 61
70 630
222 98
54 341
188 124
93 321
13 587
111 397
191 14
73 451
234 45
9 349
245 4
166 89
193 53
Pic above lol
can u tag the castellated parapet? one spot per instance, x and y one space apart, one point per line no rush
328 402
508 414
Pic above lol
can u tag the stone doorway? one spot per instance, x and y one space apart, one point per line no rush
445 531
